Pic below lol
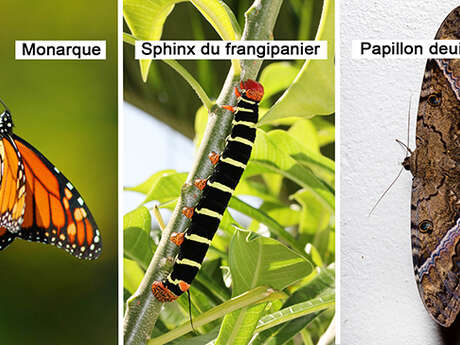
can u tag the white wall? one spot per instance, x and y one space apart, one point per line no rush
380 301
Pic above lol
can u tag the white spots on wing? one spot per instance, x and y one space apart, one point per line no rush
69 185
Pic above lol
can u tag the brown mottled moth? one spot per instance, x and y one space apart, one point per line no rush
217 191
435 166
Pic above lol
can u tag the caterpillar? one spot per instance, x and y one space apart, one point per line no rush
216 193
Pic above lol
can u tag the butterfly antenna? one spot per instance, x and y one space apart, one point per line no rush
190 311
4 105
408 151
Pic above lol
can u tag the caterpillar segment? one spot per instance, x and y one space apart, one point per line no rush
217 190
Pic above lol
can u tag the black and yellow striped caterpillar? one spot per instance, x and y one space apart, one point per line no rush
217 191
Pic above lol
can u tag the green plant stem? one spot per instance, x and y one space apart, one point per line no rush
251 297
183 72
192 82
143 308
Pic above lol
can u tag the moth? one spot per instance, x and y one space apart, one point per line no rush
216 193
435 167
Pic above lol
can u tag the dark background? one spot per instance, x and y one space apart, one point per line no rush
67 110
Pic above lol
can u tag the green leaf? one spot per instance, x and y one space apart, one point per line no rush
325 130
255 188
315 215
306 133
290 142
322 284
268 156
132 275
312 92
138 246
238 327
138 218
263 218
277 77
285 215
163 186
146 186
198 340
283 333
257 295
297 310
256 261
137 243
146 18
221 17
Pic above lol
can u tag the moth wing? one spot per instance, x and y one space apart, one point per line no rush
436 252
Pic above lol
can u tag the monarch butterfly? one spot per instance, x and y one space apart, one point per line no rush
217 191
38 203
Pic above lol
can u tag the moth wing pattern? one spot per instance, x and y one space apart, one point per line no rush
435 166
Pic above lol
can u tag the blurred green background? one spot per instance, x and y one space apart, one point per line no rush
297 20
67 110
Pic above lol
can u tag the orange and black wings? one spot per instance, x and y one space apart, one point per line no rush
54 212
12 186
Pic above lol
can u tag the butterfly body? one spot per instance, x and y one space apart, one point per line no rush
435 166
38 203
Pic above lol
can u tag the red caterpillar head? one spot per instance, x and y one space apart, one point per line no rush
254 90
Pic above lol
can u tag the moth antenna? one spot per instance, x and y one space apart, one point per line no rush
408 151
5 106
406 148
408 128
158 217
190 311
385 192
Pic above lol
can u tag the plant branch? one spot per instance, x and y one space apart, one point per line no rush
183 72
192 82
143 308
257 295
